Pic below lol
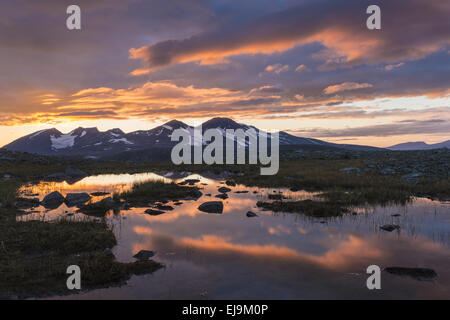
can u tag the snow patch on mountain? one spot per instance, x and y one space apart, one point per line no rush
62 142
123 140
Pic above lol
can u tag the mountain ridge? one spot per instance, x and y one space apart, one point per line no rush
90 142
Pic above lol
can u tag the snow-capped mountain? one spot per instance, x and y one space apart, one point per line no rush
420 146
90 142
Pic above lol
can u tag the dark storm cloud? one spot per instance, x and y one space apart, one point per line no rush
411 30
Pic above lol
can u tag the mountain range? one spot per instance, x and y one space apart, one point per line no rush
420 145
114 143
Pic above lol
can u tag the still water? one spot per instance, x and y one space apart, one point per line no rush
272 256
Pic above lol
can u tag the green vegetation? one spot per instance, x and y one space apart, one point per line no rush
34 255
306 207
144 192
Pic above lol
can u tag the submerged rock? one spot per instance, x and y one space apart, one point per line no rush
144 255
163 207
211 207
224 190
390 227
415 273
222 196
154 212
72 199
230 183
99 194
53 200
251 214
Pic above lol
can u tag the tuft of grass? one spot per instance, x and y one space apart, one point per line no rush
144 192
307 207
34 255
8 192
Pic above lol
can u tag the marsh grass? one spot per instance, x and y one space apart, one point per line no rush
311 208
144 192
34 255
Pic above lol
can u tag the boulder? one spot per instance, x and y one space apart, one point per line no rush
72 199
211 207
53 200
224 190
251 214
154 212
164 207
144 255
230 183
222 196
390 227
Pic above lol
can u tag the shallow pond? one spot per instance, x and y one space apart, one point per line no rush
272 256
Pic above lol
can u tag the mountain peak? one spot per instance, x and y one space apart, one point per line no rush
218 122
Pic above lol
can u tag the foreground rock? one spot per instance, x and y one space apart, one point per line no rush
390 227
251 214
211 207
53 200
144 255
422 274
73 199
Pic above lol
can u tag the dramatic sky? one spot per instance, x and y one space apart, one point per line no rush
310 67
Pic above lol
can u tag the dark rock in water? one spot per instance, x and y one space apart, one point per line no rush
208 194
163 207
390 227
230 183
241 191
98 208
178 203
99 194
72 199
191 182
154 212
224 190
251 214
222 196
144 255
108 203
74 172
255 192
211 207
415 273
278 196
195 195
53 200
396 215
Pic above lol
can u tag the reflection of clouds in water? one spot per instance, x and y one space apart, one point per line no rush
278 250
